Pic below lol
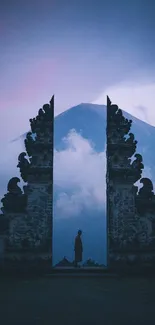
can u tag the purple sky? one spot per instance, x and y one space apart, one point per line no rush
79 50
74 49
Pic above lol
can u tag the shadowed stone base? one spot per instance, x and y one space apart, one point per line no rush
28 263
133 262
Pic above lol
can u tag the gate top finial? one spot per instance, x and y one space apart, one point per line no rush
108 101
52 100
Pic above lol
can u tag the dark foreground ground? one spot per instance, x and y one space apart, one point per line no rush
77 300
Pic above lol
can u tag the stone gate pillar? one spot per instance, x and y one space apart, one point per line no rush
39 145
28 213
121 191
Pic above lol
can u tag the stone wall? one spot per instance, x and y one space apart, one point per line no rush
27 236
130 212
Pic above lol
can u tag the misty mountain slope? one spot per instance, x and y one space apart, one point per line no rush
90 121
86 119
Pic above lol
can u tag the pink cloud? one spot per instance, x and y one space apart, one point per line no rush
31 86
30 82
37 77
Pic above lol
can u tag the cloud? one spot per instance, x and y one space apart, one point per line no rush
79 173
137 98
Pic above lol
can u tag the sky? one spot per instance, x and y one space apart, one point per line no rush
80 51
77 50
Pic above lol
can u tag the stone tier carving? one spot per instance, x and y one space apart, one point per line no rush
121 146
23 165
145 199
14 200
131 220
29 213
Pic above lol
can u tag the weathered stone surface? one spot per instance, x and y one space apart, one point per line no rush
26 222
14 200
27 235
130 213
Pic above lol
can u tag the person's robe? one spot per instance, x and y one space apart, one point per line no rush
78 248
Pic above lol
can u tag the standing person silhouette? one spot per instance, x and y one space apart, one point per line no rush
78 248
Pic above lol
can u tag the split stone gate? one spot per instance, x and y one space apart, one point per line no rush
26 222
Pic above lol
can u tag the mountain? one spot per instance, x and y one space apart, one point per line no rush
89 120
79 177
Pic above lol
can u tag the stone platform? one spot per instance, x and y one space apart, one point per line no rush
77 301
80 272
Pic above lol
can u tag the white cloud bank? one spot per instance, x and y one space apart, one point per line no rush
137 99
80 174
